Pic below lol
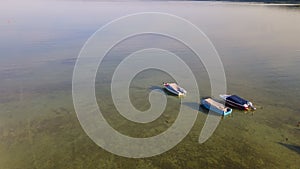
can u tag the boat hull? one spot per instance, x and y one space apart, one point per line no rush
237 106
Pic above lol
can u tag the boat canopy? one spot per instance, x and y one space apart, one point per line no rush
237 99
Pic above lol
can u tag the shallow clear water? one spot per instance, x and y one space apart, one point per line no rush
39 43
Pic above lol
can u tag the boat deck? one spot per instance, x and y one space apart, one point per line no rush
174 86
216 104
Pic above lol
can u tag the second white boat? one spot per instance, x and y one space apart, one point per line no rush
175 89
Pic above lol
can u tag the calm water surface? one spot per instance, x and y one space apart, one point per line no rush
259 46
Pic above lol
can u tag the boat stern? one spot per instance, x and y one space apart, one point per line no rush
227 112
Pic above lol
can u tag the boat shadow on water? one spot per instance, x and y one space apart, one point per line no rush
156 88
199 108
291 147
162 89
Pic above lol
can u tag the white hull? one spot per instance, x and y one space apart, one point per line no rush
175 89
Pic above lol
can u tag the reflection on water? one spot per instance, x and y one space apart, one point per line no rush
39 43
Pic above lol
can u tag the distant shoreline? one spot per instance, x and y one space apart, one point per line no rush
287 2
296 2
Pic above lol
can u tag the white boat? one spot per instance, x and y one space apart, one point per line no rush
175 89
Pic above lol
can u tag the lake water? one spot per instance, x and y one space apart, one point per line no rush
259 46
